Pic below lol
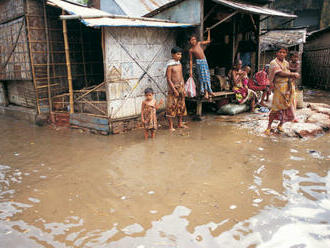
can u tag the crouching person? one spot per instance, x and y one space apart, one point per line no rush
176 106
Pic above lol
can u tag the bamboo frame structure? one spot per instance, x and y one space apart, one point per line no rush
48 60
31 56
68 65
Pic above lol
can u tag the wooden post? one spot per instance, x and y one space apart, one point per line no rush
201 26
258 44
31 55
83 53
68 63
234 40
106 84
50 105
199 108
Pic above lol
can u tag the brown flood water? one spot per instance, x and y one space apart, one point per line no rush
214 185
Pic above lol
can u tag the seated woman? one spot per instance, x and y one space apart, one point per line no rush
260 82
240 80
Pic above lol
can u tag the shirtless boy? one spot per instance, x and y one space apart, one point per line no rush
176 106
201 64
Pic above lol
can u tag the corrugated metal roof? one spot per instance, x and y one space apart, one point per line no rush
254 9
279 38
140 7
97 18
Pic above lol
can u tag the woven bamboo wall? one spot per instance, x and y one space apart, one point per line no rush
84 47
14 57
11 9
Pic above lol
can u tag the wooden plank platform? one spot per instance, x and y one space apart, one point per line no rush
218 96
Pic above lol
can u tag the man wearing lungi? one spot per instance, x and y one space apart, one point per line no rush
202 67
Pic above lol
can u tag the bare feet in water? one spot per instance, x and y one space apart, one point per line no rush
183 126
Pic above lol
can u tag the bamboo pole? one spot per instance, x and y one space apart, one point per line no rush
223 20
89 91
31 57
68 64
48 61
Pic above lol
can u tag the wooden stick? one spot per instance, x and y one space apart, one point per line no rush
71 17
253 23
223 20
68 64
94 106
209 13
31 57
89 91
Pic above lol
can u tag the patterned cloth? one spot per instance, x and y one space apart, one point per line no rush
149 115
203 75
176 105
284 92
242 93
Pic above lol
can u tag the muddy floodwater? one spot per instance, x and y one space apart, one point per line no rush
214 185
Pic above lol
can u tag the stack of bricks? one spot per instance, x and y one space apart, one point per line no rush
62 119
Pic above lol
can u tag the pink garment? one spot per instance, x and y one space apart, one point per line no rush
262 78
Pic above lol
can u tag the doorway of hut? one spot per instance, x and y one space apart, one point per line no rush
84 46
234 35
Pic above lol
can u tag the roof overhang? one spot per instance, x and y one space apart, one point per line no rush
253 9
241 7
282 38
92 17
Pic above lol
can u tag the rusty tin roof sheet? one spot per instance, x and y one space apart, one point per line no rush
92 17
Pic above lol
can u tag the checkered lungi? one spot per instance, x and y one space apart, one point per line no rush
203 75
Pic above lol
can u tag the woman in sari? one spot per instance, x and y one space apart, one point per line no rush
240 80
284 92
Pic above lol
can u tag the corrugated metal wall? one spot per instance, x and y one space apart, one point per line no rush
188 11
150 47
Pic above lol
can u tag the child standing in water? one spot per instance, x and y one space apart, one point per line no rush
148 113
176 106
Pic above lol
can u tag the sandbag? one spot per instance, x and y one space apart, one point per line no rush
233 109
190 87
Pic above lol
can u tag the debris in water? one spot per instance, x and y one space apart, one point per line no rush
316 154
199 238
257 200
296 158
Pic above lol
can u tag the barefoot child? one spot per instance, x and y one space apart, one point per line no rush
148 113
294 66
201 64
176 106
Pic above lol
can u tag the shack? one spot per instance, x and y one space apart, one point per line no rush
86 67
293 39
235 30
316 60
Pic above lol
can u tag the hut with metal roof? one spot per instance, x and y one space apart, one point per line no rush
84 66
235 30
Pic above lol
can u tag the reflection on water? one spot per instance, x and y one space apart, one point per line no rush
213 185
